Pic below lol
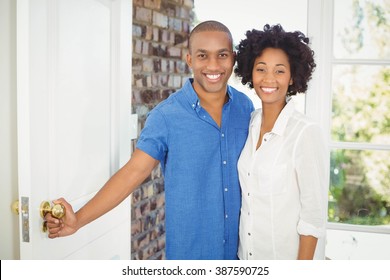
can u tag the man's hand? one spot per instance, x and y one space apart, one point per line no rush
65 226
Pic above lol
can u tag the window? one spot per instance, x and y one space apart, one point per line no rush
360 120
355 68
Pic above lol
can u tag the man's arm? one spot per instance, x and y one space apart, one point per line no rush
117 188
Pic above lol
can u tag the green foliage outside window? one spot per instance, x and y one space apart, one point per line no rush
360 179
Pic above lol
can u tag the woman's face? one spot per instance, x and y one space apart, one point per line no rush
271 76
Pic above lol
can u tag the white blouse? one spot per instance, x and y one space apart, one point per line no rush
284 190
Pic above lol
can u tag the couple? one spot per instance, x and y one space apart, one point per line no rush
197 136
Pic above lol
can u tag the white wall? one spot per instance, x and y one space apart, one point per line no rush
9 233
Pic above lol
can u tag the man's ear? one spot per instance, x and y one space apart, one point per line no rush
234 57
189 60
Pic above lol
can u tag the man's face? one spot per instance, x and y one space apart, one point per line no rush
211 59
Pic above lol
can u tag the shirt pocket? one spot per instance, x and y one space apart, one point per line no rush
272 180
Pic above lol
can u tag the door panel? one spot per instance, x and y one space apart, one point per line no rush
73 118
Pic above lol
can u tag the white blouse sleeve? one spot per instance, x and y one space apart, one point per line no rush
311 171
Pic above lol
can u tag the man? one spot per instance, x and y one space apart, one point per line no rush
196 135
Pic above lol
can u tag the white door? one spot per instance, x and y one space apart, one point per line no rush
73 87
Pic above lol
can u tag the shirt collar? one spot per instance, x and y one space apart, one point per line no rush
193 98
282 120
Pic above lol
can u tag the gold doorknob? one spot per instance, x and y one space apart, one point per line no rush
57 210
15 207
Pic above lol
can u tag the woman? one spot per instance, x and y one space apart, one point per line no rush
282 168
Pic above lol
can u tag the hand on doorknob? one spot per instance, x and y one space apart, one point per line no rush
60 227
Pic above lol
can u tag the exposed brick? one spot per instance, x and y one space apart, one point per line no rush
147 65
175 24
143 240
154 80
188 3
153 4
148 96
136 197
147 191
160 200
181 67
153 203
169 9
174 51
149 221
186 27
165 36
139 3
164 80
149 81
160 20
148 33
136 64
156 34
145 48
161 243
156 173
160 215
137 31
157 65
149 251
159 50
137 47
143 14
158 187
135 227
180 38
160 42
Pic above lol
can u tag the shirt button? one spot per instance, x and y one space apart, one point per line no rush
226 189
193 105
224 162
223 135
248 194
224 241
249 233
249 174
250 254
226 216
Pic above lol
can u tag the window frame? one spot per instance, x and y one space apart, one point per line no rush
318 105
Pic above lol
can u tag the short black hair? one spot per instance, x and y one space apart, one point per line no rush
210 25
294 44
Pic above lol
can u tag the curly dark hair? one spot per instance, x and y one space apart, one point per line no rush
294 44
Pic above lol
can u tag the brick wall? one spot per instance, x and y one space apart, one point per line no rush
160 40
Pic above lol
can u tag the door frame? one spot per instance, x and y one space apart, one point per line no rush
9 235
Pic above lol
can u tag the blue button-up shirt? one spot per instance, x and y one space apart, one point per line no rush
199 161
